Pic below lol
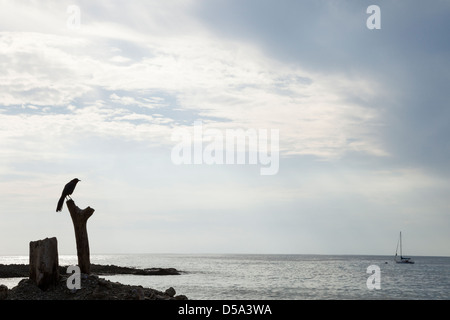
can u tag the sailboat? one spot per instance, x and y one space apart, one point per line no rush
402 259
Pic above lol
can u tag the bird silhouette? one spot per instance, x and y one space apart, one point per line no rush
67 191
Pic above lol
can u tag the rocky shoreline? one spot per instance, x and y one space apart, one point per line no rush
23 270
93 287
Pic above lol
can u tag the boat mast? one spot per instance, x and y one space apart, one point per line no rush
401 254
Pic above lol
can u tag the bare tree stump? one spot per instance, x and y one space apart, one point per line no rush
44 269
79 219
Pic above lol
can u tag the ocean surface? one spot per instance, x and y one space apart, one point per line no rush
279 277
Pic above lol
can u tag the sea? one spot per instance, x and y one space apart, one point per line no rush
279 277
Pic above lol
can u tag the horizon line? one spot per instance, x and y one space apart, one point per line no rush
235 253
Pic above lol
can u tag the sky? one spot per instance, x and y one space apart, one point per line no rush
106 91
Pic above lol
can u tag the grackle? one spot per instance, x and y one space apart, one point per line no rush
68 189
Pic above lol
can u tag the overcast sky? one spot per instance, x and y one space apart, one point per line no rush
363 119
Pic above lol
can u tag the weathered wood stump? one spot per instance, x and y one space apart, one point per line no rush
79 219
44 269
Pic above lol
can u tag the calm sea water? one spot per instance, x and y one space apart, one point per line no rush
279 277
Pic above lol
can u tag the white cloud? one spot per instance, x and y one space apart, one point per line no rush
41 69
96 100
222 79
119 59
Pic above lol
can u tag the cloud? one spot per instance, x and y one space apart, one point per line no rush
40 69
361 118
227 80
119 59
329 37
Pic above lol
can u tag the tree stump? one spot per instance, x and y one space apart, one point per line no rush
79 219
44 269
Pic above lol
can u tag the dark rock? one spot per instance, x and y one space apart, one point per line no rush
170 292
14 270
112 269
92 288
22 270
3 292
138 293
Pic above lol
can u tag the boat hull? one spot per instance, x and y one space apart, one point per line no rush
405 261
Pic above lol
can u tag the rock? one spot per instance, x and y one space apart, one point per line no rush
92 288
3 292
170 292
14 270
100 294
23 270
138 293
103 282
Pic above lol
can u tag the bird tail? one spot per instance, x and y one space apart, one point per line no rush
60 203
